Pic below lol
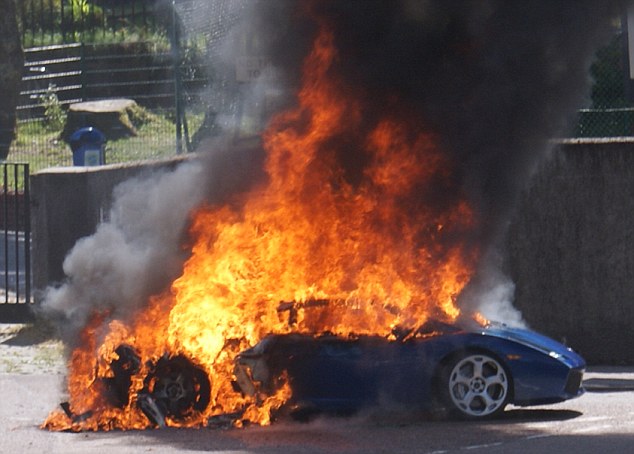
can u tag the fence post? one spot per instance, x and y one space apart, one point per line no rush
82 69
27 233
177 89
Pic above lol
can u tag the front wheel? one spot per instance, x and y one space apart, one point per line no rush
178 389
475 385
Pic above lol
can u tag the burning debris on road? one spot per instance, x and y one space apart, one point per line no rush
384 195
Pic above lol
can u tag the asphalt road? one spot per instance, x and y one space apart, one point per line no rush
31 383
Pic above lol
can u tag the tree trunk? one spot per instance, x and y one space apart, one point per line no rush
11 64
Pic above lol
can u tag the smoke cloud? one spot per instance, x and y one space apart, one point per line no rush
493 79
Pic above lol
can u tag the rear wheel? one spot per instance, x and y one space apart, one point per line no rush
475 385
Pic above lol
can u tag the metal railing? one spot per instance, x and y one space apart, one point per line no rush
15 244
46 22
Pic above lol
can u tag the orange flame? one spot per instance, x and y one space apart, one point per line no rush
365 243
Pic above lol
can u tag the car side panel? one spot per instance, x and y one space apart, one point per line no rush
334 373
363 372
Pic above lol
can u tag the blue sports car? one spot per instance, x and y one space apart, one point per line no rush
466 372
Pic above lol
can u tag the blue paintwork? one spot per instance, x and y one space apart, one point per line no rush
331 373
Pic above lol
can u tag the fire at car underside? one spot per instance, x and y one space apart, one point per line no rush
174 387
177 390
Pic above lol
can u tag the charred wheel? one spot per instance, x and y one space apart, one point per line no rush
475 385
126 364
179 388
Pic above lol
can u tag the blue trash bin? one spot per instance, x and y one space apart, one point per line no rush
88 145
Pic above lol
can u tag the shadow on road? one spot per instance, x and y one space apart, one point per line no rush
25 335
531 415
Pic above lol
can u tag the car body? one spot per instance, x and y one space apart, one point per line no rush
462 370
469 372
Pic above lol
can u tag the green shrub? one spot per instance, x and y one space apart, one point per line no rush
55 116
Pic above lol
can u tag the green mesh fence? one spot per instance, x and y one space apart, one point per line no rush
605 123
41 146
610 113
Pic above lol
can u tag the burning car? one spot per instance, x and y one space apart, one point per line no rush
469 372
362 211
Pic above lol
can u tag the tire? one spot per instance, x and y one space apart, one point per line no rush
180 389
475 385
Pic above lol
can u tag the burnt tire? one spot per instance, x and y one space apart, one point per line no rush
474 385
124 367
179 388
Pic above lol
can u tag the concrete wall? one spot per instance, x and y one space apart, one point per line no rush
571 249
67 203
571 243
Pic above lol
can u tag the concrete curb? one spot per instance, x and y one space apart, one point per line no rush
608 384
609 379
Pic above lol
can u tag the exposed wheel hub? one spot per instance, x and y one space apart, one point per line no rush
177 388
174 391
477 385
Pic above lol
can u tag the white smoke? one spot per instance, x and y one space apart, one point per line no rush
495 300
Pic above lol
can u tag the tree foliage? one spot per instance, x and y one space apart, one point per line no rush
11 64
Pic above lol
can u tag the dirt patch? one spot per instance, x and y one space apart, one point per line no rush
30 349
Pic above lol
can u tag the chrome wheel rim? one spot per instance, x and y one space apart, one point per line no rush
478 385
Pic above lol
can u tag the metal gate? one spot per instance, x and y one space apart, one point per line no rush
15 244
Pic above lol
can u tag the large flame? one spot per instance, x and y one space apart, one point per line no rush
361 236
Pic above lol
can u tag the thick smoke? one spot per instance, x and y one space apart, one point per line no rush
493 79
139 250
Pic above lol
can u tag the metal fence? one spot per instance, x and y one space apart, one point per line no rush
56 77
610 106
81 50
47 22
15 240
594 123
609 111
